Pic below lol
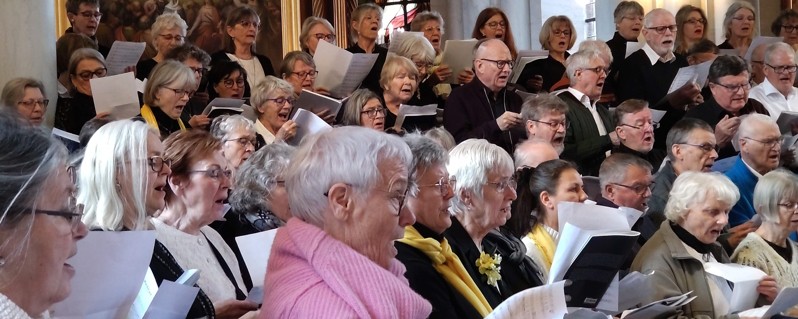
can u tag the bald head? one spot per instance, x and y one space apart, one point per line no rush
532 153
487 57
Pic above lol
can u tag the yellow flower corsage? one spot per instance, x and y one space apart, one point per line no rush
490 267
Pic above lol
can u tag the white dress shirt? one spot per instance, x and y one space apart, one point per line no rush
773 100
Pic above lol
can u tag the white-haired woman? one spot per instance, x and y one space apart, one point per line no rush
418 49
272 101
167 32
739 25
431 24
166 93
697 212
237 135
399 82
484 192
366 21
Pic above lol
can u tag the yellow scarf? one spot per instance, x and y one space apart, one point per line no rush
149 117
544 243
449 266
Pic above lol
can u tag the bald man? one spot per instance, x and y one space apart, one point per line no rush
531 153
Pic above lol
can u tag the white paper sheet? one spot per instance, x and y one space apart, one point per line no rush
524 57
595 217
760 41
143 300
657 115
573 239
547 301
635 289
458 55
107 289
691 74
172 301
631 47
609 302
255 249
786 299
66 135
256 294
413 110
745 280
116 94
340 71
140 85
316 102
307 123
124 54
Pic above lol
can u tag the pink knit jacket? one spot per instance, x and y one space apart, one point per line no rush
312 275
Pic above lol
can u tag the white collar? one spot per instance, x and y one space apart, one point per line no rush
753 171
769 89
268 137
580 96
653 57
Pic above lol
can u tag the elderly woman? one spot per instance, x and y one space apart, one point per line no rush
166 93
535 212
433 270
64 47
335 258
41 221
299 69
27 97
366 21
128 154
691 23
315 29
272 101
167 32
240 31
420 52
786 26
237 135
364 108
430 23
226 80
739 24
628 16
546 75
195 195
697 211
482 196
197 60
71 113
769 248
399 81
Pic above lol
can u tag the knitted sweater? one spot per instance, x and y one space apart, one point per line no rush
755 252
313 275
10 310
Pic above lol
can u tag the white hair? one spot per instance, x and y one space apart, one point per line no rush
470 162
597 45
348 154
691 188
751 122
580 60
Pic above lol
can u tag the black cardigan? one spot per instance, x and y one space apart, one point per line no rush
467 251
583 144
71 113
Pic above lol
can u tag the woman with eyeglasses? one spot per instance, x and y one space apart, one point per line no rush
72 112
272 102
40 224
195 195
226 79
546 75
492 23
240 31
364 108
167 32
26 96
739 27
399 82
237 135
418 49
299 69
786 26
691 23
315 29
166 93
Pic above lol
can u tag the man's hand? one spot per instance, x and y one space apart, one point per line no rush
508 120
686 95
466 76
725 129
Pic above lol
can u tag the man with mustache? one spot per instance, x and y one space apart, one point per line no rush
776 93
647 74
484 108
84 17
544 120
635 129
589 135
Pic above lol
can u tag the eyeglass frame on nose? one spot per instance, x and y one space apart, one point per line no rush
554 125
325 36
157 163
500 64
693 21
88 75
493 25
502 185
789 205
443 184
215 173
783 69
243 141
239 82
661 29
73 217
734 88
280 101
304 74
181 92
789 28
707 147
639 189
91 14
31 104
247 23
596 70
768 144
372 113
652 124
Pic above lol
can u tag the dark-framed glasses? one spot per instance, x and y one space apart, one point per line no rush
304 74
73 216
496 24
694 21
29 104
88 75
558 33
324 36
789 28
661 29
216 173
501 63
706 147
157 163
181 92
199 70
443 184
735 88
555 125
783 68
91 15
397 199
502 185
372 113
228 83
639 189
653 125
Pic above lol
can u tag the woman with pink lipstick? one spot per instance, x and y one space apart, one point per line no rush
27 97
769 248
691 23
40 223
272 101
786 25
226 80
739 24
366 21
697 211
195 195
546 75
169 87
364 108
240 31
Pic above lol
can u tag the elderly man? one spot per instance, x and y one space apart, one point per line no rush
647 74
758 64
776 93
335 258
589 135
635 129
728 84
544 119
84 17
760 148
484 108
531 153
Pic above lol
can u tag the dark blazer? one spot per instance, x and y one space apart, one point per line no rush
469 114
583 144
372 80
446 301
144 68
712 113
268 69
618 48
464 248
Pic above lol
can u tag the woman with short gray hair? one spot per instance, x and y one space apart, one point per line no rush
167 32
315 29
237 135
72 112
166 93
27 97
272 101
739 27
299 69
364 108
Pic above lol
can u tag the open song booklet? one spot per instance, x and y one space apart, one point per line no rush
341 71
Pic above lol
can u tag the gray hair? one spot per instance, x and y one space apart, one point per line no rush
354 105
597 45
470 162
257 177
681 131
168 72
580 60
413 46
773 48
624 8
614 168
691 188
14 90
189 51
317 165
224 124
426 152
648 19
727 19
442 137
261 92
166 21
748 124
83 54
308 24
773 187
361 10
287 66
423 17
537 106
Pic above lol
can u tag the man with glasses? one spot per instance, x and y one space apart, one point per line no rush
544 119
588 135
728 83
635 128
484 108
84 17
777 93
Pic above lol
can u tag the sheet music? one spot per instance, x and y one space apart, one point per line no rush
255 249
413 110
458 55
316 102
593 217
524 57
340 71
123 54
307 123
685 75
745 280
547 301
631 47
116 94
172 301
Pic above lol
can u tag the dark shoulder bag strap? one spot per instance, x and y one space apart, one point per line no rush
239 294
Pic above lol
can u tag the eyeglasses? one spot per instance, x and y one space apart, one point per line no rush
170 37
228 83
281 100
91 14
789 205
736 88
638 189
558 33
397 199
73 216
443 184
181 92
157 163
706 147
741 18
598 70
694 21
757 62
88 75
501 63
661 29
502 185
783 68
372 113
29 104
767 143
555 125
496 24
327 37
246 24
304 74
243 141
215 172
789 28
199 70
653 125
